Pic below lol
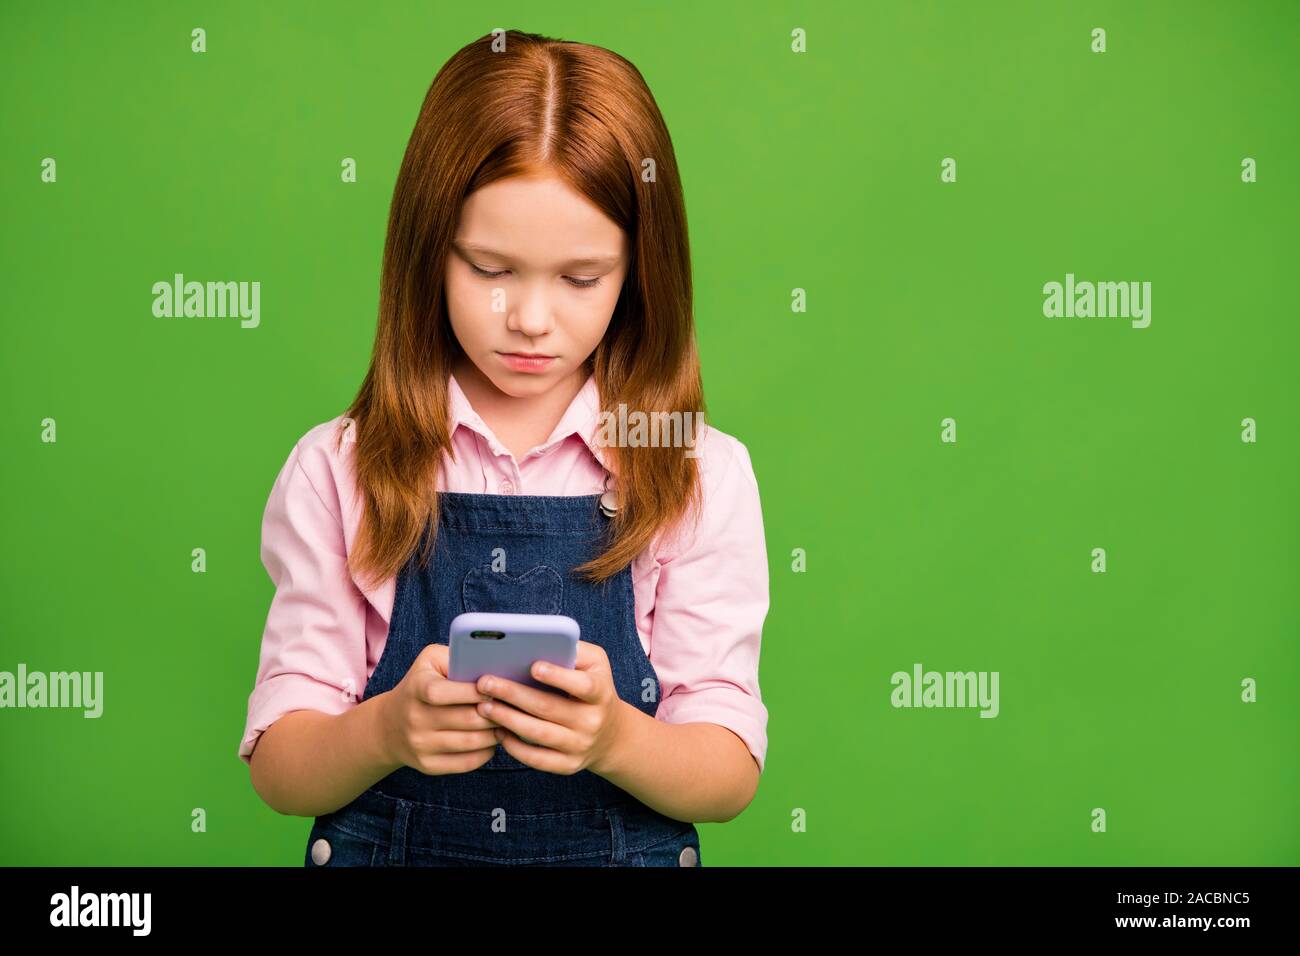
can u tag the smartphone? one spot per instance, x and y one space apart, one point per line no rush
506 645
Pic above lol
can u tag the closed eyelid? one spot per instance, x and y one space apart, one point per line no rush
574 275
583 282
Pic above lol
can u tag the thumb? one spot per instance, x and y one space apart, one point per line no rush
429 667
590 657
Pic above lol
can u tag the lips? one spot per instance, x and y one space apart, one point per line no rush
526 362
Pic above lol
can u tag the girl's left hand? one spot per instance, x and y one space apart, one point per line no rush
549 731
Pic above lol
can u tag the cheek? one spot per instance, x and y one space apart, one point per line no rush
601 316
588 326
463 307
599 311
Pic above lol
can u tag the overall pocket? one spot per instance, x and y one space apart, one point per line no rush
328 845
680 850
539 590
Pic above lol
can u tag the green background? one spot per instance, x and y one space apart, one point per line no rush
819 171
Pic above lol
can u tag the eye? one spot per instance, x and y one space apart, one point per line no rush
572 280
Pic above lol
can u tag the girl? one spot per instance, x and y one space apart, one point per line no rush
536 292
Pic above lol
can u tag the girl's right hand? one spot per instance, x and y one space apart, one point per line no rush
431 723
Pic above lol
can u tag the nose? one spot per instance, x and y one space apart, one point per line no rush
530 313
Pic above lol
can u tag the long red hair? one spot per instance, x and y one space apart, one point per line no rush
512 104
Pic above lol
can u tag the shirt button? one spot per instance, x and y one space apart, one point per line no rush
320 852
688 856
507 487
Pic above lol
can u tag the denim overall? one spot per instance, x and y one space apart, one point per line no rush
504 812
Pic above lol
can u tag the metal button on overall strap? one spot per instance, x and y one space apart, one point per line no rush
609 499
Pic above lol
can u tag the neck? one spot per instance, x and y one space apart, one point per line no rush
527 419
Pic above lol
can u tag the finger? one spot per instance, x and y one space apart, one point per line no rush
463 717
458 762
580 684
433 657
531 755
542 732
539 702
461 741
439 690
591 656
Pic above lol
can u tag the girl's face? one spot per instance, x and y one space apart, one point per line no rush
535 269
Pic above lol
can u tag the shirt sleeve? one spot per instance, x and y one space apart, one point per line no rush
710 603
313 653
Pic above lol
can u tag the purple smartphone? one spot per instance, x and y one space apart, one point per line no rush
506 645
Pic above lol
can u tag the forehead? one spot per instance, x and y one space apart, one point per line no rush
537 218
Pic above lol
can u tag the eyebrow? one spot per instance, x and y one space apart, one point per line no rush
586 261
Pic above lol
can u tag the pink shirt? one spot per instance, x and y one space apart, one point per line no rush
701 597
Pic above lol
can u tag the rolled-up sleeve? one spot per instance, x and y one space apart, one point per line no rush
313 654
711 601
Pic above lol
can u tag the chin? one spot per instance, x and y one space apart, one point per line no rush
523 384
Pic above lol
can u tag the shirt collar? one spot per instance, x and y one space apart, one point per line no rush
581 418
